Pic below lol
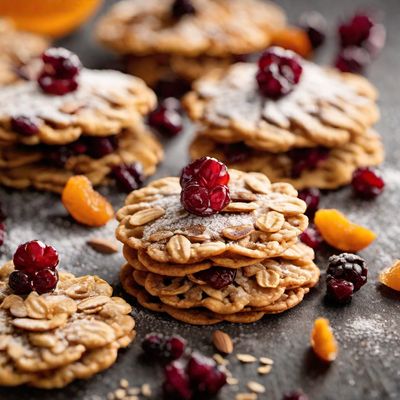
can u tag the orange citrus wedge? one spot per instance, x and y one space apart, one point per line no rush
323 341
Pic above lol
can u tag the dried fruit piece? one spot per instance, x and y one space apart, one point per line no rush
159 346
367 183
339 290
311 237
311 197
316 26
295 395
217 277
323 341
340 233
85 204
167 118
24 125
391 276
352 59
128 176
295 39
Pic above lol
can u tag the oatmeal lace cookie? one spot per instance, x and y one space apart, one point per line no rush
262 220
49 340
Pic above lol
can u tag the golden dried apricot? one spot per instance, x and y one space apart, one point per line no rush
341 233
295 39
85 204
391 276
323 341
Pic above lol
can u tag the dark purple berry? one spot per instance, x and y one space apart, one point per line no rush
311 237
24 125
307 159
279 71
57 87
352 59
159 346
58 156
45 281
339 290
128 176
172 88
167 118
176 385
19 282
217 277
349 267
295 395
99 147
316 26
182 7
367 183
311 197
236 152
153 344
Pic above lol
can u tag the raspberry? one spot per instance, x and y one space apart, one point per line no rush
166 118
182 7
352 59
316 26
349 267
44 281
19 282
339 290
311 237
217 277
207 171
27 126
367 183
311 197
279 72
177 384
307 159
128 176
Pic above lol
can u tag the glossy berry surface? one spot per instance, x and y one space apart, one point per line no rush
57 87
44 281
316 27
166 347
307 159
217 277
352 59
339 290
199 200
311 197
128 176
236 152
20 282
279 71
295 395
207 171
182 7
167 118
367 183
27 126
311 237
349 267
35 255
177 383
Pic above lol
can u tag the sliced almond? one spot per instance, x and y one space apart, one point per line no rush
270 222
145 216
178 248
246 396
146 390
266 360
103 246
255 387
264 370
222 342
232 381
238 232
237 207
246 358
220 360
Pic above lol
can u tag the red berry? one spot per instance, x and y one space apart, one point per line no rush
27 126
367 183
217 277
207 171
176 384
352 59
19 282
182 7
99 147
167 118
57 87
295 395
236 152
279 72
311 197
58 156
172 88
35 255
339 290
311 237
128 176
201 201
157 345
316 26
307 159
44 281
174 347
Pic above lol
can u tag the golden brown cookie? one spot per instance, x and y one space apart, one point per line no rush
49 340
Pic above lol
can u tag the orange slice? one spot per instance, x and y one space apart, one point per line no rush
391 276
323 341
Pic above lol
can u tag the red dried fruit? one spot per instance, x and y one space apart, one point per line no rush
236 152
295 395
44 281
311 237
128 176
339 290
367 183
157 345
352 59
279 72
311 197
176 384
307 159
24 125
98 147
19 282
316 27
167 118
217 277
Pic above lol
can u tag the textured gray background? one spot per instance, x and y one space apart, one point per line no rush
367 329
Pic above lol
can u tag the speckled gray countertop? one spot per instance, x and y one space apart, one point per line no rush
368 329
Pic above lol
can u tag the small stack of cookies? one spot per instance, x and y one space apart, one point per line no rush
47 138
167 39
236 265
316 135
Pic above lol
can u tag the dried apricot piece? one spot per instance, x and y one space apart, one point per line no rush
85 204
341 233
323 341
295 39
391 276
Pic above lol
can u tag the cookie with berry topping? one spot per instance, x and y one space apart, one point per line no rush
72 330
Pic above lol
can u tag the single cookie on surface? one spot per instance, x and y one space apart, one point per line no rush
74 332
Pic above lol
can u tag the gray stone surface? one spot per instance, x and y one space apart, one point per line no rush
368 329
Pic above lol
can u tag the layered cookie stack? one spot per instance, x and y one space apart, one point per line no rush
16 49
74 121
186 38
286 117
235 265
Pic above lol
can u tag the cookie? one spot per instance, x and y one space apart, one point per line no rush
49 340
262 220
334 171
327 108
33 166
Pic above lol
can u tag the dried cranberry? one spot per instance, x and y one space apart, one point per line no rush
306 159
199 200
311 237
172 88
167 118
174 347
339 290
24 125
128 176
57 87
44 281
182 7
207 171
352 59
58 156
98 147
295 395
2 233
35 255
157 345
279 71
316 26
349 267
78 147
311 197
176 384
367 183
217 277
153 344
19 282
236 152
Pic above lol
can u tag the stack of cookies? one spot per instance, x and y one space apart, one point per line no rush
86 122
163 40
236 265
288 118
